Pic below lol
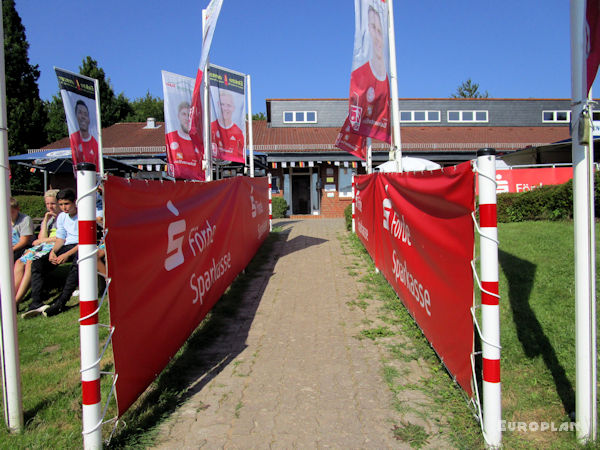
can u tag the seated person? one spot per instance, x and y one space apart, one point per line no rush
64 250
41 246
22 229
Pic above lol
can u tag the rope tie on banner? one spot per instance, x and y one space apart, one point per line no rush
81 319
479 229
94 189
479 414
102 421
108 341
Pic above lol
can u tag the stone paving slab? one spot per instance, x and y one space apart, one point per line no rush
289 372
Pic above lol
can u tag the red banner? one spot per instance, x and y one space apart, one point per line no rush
369 99
592 18
418 229
521 180
173 249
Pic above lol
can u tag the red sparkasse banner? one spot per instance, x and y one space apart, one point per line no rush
521 180
196 112
422 241
172 250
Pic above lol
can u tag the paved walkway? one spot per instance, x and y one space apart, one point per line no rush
289 372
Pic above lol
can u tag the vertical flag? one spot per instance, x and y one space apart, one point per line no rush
369 99
592 15
196 126
228 101
185 161
79 100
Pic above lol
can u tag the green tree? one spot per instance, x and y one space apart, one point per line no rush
56 127
145 107
468 89
113 108
26 113
259 116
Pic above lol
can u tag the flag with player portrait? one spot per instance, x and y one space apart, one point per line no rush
228 114
592 17
184 159
369 97
79 100
196 113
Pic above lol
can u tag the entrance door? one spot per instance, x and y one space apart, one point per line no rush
301 194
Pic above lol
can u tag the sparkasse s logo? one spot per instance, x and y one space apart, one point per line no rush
175 233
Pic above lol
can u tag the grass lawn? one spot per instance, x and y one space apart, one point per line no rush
537 335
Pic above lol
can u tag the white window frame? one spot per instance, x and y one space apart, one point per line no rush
348 171
294 120
426 112
474 112
554 113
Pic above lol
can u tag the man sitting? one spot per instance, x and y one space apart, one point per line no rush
64 250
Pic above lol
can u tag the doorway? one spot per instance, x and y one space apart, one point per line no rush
301 194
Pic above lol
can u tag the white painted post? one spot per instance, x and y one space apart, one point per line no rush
490 307
270 203
583 218
250 138
11 372
369 155
353 205
397 149
206 110
88 305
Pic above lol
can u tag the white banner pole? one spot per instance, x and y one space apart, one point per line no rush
206 110
369 155
394 90
11 372
585 295
490 300
88 305
250 141
270 179
99 125
353 205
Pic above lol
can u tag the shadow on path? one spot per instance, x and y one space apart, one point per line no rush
217 341
521 274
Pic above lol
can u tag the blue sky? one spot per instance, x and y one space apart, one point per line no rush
303 49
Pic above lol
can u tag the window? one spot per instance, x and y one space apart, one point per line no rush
419 116
467 116
345 182
299 117
556 116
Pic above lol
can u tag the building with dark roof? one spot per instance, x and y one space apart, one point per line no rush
315 177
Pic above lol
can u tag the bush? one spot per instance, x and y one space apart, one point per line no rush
32 205
543 203
280 207
348 217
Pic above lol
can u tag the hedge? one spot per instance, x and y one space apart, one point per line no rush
543 203
348 217
280 207
31 205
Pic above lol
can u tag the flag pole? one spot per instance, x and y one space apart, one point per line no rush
397 149
585 309
99 125
206 111
9 350
369 155
250 140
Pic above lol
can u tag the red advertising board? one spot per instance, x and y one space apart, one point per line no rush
418 229
172 250
521 180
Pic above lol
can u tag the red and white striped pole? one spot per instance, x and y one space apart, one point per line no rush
270 203
490 308
353 205
88 305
